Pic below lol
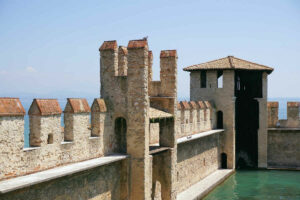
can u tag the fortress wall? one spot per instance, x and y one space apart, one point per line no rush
107 182
128 91
284 136
196 159
272 114
284 148
161 175
194 117
293 115
49 145
11 144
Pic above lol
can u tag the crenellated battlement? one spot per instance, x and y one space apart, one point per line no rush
114 70
293 115
194 117
50 144
135 116
166 87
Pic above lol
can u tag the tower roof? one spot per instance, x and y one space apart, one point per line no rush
229 63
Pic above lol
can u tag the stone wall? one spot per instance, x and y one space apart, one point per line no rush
161 176
49 148
119 122
129 92
106 182
194 117
196 159
284 136
272 114
293 115
284 148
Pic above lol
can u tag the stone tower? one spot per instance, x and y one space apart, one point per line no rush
133 101
238 89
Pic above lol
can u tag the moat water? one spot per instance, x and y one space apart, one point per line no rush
259 185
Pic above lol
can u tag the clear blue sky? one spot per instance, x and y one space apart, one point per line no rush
50 48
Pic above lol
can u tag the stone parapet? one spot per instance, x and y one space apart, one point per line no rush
50 145
293 113
272 114
194 117
167 86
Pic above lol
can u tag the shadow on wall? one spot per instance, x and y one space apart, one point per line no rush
120 131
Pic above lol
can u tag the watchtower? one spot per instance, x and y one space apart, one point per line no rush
133 101
238 89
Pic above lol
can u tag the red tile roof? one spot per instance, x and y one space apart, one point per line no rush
99 105
201 104
11 107
231 63
168 53
293 104
77 105
45 107
136 44
185 105
193 104
109 45
208 104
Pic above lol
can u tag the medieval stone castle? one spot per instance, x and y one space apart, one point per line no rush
137 141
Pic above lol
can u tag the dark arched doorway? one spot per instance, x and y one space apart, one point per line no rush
219 120
223 160
120 133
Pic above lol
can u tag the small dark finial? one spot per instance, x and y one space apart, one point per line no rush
145 38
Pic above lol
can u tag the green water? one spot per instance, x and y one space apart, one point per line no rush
259 185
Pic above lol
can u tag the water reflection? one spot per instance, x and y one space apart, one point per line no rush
258 185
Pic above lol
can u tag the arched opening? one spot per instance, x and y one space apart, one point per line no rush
120 133
223 160
220 120
50 139
220 79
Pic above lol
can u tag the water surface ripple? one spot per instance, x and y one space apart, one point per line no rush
259 185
